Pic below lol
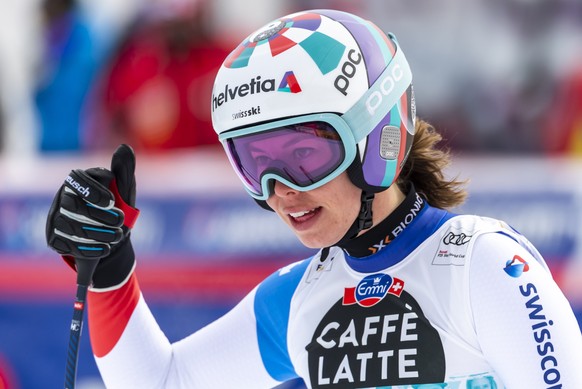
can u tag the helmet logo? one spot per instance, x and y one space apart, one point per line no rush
387 85
342 82
255 85
268 31
289 83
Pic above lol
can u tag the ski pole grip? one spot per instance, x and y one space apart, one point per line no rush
85 270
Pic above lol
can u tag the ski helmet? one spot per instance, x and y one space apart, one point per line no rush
323 71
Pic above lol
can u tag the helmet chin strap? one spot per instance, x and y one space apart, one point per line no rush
362 222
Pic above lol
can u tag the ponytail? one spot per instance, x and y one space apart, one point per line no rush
425 169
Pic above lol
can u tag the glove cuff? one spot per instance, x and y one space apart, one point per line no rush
114 269
131 213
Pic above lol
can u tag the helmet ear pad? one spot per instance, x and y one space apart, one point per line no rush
381 155
382 160
356 175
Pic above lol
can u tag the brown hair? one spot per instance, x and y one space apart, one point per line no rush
425 169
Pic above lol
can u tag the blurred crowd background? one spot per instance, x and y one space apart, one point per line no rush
501 79
498 76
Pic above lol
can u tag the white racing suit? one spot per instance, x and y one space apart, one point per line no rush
455 301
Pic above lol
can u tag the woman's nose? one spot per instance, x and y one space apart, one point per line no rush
283 190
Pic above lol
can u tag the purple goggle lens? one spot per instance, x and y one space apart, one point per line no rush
298 154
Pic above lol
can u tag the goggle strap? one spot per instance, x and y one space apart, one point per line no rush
375 104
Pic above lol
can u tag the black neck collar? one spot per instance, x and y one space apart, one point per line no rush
381 235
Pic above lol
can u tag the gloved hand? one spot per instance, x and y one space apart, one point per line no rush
91 218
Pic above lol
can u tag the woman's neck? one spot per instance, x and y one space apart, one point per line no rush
396 212
384 204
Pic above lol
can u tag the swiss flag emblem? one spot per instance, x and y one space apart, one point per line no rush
372 289
397 287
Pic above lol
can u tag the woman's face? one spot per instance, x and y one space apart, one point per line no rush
319 217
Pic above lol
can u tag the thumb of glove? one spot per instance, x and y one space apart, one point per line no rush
123 168
123 185
115 268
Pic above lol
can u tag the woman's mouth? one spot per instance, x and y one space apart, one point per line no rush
297 215
299 218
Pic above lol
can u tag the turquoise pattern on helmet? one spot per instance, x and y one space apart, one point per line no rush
278 43
326 60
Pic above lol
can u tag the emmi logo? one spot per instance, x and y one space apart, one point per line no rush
372 289
256 85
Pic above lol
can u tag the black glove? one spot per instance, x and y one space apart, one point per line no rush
91 218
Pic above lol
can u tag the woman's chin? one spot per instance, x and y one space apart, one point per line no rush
315 242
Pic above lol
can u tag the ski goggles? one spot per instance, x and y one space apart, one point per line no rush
303 152
306 152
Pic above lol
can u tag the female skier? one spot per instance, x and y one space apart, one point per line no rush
316 113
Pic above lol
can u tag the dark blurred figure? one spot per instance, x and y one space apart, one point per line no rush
70 60
536 89
563 124
504 103
156 93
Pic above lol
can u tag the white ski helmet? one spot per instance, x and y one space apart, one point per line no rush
316 69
